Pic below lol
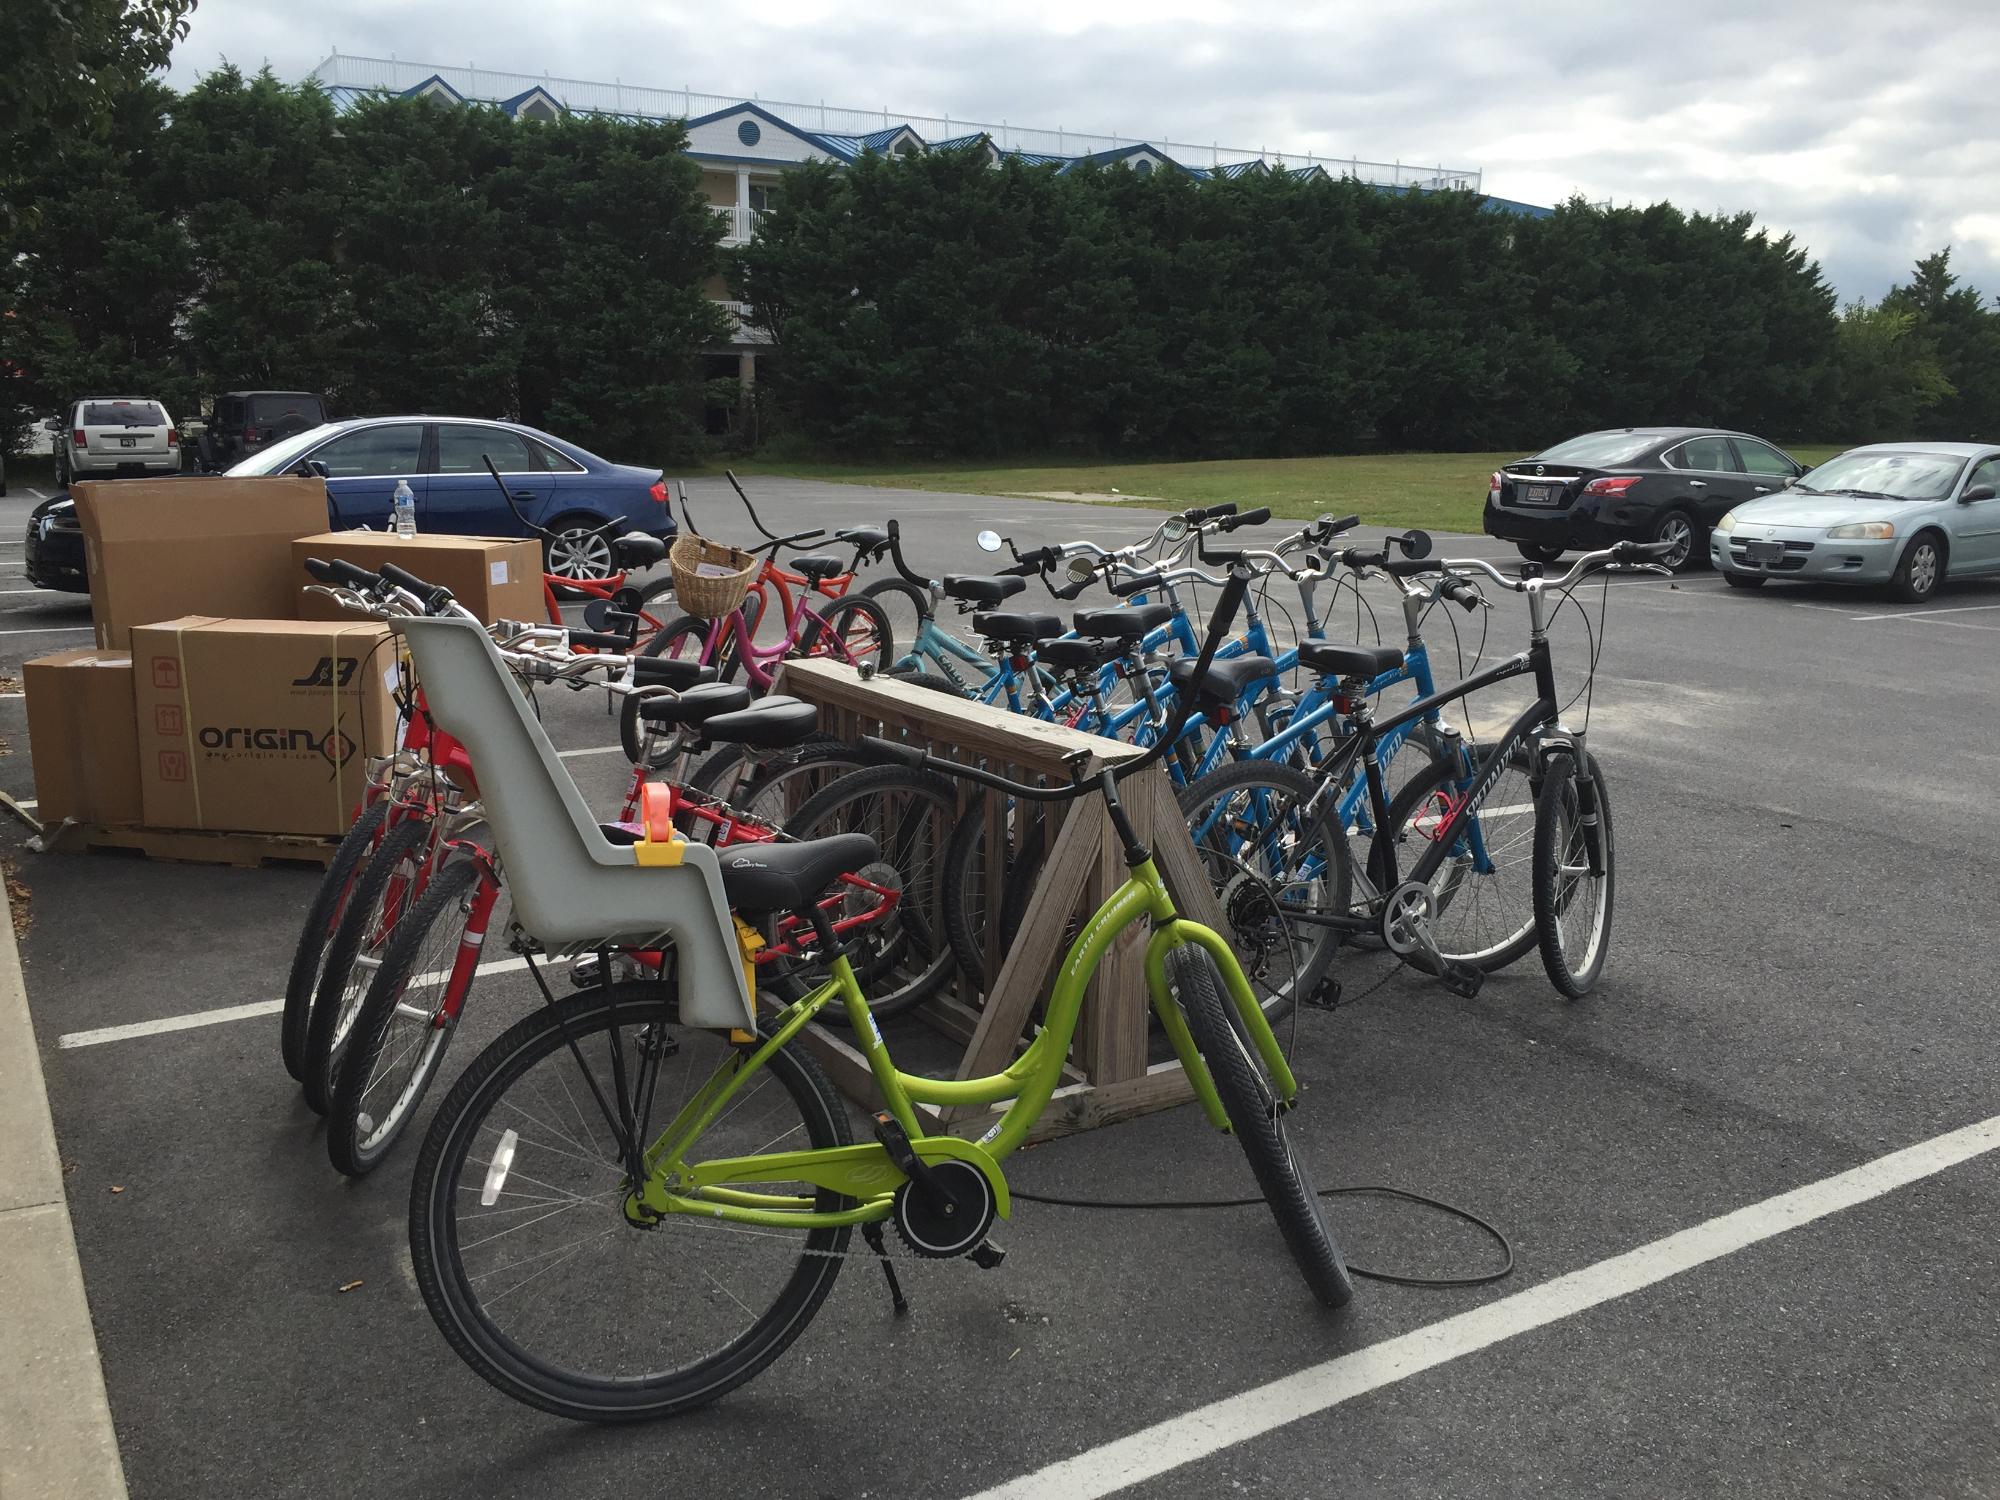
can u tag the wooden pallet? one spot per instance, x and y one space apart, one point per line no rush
1108 1077
244 850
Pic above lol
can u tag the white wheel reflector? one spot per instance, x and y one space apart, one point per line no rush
498 1168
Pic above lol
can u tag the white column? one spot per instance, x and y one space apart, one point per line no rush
743 203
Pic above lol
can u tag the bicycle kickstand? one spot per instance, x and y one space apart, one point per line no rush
873 1234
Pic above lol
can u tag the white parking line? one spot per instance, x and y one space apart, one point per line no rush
1919 614
51 630
36 493
1208 1430
194 1019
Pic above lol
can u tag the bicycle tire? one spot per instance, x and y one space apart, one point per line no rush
780 789
1463 894
1257 1120
856 629
911 834
905 605
964 902
683 638
1562 870
329 903
338 999
661 588
936 682
1264 897
357 1138
451 1295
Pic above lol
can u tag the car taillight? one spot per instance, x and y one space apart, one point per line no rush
659 492
1493 484
173 438
80 438
249 434
1614 485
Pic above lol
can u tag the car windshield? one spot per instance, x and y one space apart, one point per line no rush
1598 448
1884 476
281 456
277 408
123 414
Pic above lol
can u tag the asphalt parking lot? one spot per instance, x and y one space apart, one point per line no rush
1800 983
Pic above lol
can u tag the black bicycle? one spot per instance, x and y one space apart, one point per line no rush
1458 844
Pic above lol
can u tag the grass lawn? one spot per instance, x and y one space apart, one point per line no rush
1438 491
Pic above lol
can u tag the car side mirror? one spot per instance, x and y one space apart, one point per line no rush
1790 480
1977 492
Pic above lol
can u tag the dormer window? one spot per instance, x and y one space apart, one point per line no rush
904 147
538 109
1143 166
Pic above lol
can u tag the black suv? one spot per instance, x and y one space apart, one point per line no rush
247 421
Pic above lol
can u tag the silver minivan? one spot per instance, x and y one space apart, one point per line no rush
105 437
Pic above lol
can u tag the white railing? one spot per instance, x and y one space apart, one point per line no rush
619 98
738 224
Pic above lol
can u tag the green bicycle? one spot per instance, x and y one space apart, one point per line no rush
619 1215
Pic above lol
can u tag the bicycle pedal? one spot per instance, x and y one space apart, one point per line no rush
1325 995
1463 979
986 1255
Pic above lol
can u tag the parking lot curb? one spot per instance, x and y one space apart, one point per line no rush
56 1437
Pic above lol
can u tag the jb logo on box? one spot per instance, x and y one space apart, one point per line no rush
166 672
332 671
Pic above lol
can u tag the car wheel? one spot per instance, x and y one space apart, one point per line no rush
1745 580
1676 528
62 474
578 549
1534 552
1921 570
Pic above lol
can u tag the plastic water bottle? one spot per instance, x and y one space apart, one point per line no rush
404 508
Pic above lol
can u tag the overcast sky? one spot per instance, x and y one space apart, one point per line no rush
1869 130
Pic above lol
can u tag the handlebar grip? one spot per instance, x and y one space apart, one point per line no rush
1125 587
1071 590
667 671
1195 515
1357 557
598 640
1331 527
1463 592
339 570
1410 567
1640 551
1034 561
1255 517
435 596
912 756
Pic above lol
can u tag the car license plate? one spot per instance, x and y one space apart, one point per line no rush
1540 494
128 442
1763 551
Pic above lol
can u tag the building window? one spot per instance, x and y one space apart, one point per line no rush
538 109
764 198
748 133
1143 167
904 147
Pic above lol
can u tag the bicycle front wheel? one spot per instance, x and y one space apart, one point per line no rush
1573 873
1257 1119
522 1251
1279 864
681 639
404 1025
857 631
904 605
329 905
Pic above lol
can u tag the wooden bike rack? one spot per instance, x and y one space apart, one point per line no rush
1108 1076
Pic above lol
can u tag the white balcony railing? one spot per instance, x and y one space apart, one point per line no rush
738 224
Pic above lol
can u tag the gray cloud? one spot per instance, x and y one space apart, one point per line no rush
1870 132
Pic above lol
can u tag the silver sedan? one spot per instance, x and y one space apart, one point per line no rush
1896 514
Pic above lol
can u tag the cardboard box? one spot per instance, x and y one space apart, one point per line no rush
158 549
260 726
497 578
84 738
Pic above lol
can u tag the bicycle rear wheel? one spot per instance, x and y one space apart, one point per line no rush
522 1251
681 639
1257 1119
1280 865
1483 892
857 630
381 894
1573 873
903 958
329 905
401 1032
904 605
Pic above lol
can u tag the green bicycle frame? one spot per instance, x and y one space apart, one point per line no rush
723 1187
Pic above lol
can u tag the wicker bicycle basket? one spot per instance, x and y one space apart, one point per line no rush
709 579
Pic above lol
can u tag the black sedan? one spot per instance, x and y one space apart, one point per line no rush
54 557
1649 484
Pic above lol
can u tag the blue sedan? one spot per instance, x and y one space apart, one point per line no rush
571 493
